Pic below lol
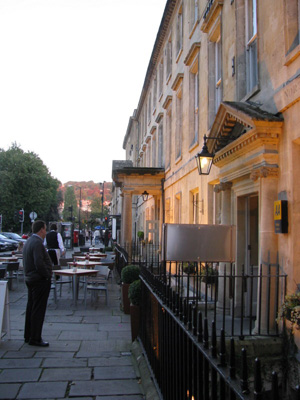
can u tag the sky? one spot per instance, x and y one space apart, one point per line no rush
71 75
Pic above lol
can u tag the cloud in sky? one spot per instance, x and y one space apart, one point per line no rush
71 75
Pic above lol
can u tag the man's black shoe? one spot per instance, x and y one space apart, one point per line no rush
40 343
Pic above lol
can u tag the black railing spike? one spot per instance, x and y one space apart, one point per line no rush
275 394
190 316
258 387
244 379
213 340
222 353
174 300
195 321
232 369
185 312
205 334
177 304
200 328
180 309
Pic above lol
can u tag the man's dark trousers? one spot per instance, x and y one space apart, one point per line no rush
38 293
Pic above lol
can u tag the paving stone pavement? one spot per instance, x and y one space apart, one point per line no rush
89 357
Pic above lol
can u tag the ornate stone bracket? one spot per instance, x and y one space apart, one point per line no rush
264 172
222 187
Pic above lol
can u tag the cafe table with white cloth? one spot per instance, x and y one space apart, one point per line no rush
90 258
75 273
87 264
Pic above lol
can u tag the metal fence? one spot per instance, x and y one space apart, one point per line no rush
239 303
190 358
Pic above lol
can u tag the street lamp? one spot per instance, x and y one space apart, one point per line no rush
102 199
145 195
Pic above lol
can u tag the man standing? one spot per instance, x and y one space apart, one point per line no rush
38 272
54 243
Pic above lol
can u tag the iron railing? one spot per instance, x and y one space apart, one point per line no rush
190 359
239 303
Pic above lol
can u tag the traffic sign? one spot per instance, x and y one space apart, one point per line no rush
33 215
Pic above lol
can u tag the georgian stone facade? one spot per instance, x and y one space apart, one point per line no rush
228 70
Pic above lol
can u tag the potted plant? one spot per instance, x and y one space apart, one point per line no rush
134 294
189 268
290 309
129 274
209 274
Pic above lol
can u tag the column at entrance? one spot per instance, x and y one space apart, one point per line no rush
268 249
126 225
223 286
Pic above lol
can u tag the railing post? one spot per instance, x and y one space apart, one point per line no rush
244 379
200 330
205 336
222 353
275 394
213 340
232 360
257 380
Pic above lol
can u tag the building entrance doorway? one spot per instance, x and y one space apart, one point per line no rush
248 227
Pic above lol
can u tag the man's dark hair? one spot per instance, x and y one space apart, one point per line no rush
37 226
53 227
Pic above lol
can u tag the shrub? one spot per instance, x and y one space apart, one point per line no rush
140 235
135 292
130 273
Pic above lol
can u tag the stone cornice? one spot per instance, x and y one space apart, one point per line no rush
177 81
193 51
211 13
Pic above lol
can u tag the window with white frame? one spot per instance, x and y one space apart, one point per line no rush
161 77
291 24
154 92
179 125
179 32
194 102
218 73
168 54
193 13
251 44
168 135
149 108
153 146
160 144
177 209
195 208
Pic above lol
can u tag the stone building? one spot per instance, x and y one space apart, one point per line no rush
225 72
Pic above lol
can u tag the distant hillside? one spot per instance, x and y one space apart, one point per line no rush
89 190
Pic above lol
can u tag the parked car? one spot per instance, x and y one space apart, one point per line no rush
13 236
3 246
11 244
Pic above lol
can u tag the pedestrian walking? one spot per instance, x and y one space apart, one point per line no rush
38 272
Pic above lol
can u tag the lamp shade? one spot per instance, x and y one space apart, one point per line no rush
145 195
204 160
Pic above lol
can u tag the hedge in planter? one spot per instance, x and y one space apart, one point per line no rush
129 274
134 294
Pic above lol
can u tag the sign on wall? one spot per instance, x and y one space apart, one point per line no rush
281 216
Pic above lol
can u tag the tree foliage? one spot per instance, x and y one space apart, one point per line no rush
25 183
70 201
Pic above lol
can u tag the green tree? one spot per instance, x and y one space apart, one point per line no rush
70 201
26 183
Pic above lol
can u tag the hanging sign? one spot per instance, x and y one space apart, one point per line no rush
281 216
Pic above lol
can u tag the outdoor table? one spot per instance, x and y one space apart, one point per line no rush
91 258
8 259
84 264
75 274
